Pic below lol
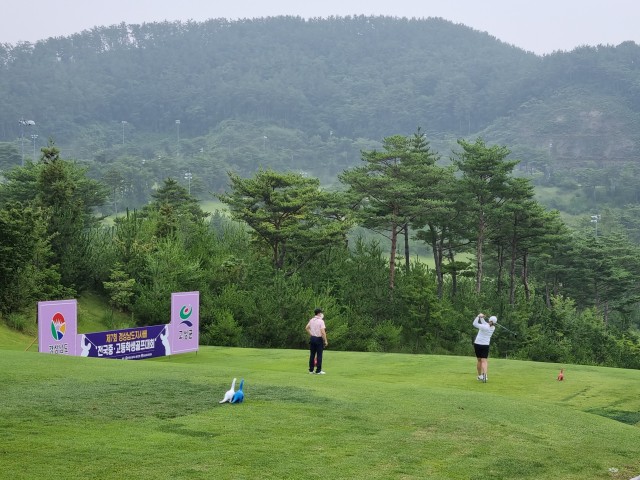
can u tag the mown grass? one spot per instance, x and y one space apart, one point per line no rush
375 416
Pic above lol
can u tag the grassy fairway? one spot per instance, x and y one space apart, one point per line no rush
374 416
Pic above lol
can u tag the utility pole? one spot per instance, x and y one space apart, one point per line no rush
188 176
178 144
124 122
33 137
24 123
595 219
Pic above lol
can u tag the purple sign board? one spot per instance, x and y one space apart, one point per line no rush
57 327
57 332
184 328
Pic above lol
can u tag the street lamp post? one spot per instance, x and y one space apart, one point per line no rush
188 176
24 123
33 137
264 142
595 219
178 132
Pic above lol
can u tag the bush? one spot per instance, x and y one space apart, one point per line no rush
21 322
223 331
386 338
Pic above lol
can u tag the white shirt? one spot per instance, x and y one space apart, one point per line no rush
484 332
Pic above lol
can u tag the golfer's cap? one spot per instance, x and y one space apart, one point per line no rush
493 319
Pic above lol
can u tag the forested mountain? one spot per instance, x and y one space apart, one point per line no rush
421 131
310 94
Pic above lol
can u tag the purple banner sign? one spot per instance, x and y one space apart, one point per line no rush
184 328
57 327
128 344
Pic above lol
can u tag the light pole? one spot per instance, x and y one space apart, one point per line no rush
188 176
124 122
33 137
264 142
24 123
178 144
595 219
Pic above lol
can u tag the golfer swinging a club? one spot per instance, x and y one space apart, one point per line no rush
481 343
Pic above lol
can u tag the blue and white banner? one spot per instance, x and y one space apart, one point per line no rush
129 344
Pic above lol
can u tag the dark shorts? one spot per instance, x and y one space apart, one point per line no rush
482 351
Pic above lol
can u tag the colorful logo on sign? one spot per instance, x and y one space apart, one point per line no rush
58 326
185 313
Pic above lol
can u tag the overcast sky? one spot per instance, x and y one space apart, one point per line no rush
540 26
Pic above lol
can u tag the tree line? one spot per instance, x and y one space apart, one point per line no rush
290 94
286 244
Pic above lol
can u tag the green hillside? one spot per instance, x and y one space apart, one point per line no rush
11 339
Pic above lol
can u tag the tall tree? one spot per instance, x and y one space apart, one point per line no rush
115 181
485 172
9 156
394 186
26 271
601 272
69 198
288 213
174 207
443 230
520 227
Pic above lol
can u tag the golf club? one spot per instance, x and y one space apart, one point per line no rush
510 331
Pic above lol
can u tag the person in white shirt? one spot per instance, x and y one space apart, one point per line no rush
317 341
481 343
